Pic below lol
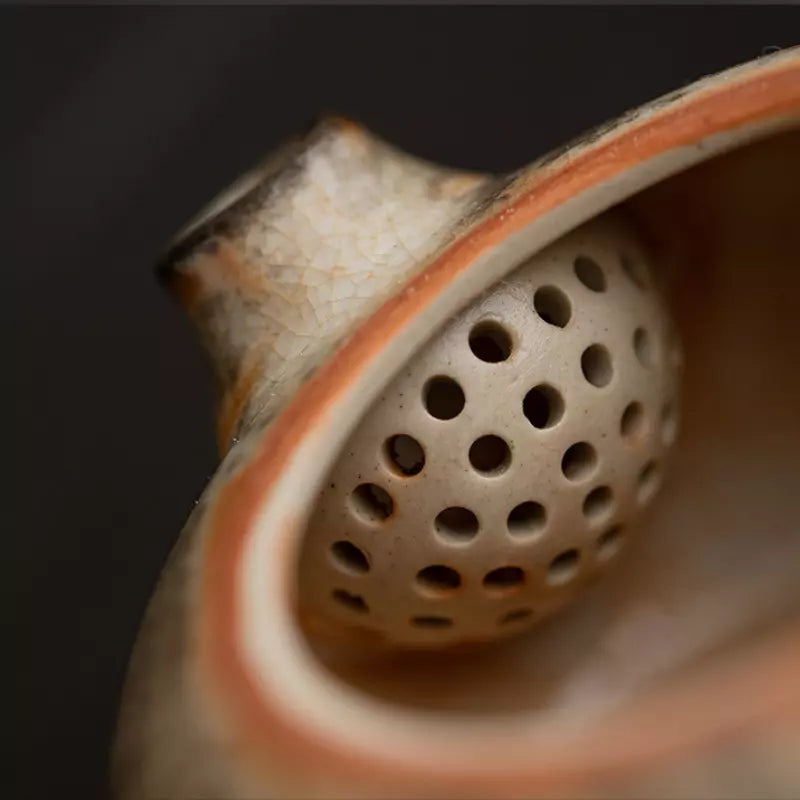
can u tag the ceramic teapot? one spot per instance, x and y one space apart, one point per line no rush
508 500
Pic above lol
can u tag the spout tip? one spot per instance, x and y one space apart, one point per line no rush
218 217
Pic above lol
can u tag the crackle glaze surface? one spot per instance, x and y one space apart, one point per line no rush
282 275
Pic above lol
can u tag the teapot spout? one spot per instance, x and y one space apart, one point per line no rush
282 264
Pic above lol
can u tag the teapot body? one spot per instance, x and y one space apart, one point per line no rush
313 283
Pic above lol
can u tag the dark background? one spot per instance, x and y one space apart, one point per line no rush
119 124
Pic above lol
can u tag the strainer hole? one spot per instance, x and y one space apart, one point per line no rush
489 455
527 519
597 503
552 305
515 615
431 622
631 423
504 578
372 503
349 557
456 523
590 274
643 347
355 602
609 543
405 454
579 461
634 271
648 481
596 365
439 578
543 406
669 423
490 342
443 397
564 567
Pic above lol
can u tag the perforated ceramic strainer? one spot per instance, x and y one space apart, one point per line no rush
509 460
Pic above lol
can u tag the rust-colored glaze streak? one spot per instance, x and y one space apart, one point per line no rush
187 287
206 273
235 399
260 724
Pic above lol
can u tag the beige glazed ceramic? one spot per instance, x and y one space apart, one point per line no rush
509 500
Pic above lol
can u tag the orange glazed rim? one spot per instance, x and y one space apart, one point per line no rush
283 711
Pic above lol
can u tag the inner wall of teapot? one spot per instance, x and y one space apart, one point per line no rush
713 565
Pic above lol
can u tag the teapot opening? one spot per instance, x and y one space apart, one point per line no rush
713 567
